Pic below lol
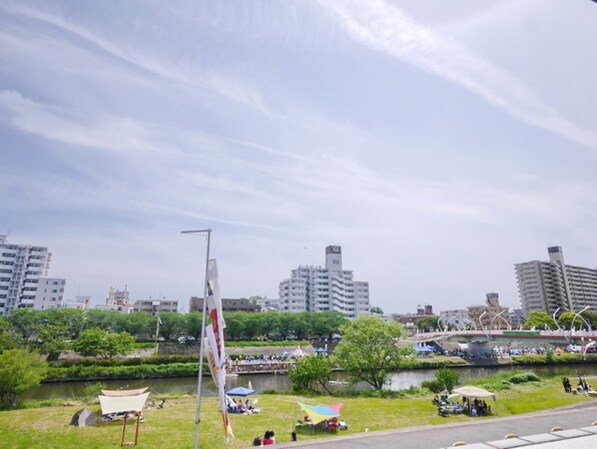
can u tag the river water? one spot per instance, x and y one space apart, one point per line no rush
280 382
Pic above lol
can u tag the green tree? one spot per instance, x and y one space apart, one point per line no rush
72 321
173 324
100 343
7 341
376 310
235 325
448 378
102 319
427 324
25 323
368 350
565 320
192 324
20 370
540 321
139 324
326 324
311 374
52 340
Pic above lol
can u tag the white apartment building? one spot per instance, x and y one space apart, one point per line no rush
23 276
317 289
50 292
553 285
117 300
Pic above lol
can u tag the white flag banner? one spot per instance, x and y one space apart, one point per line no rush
214 306
215 340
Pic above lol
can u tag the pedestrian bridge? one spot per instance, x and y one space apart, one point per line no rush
557 338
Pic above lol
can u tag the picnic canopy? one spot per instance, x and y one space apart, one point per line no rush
123 403
115 393
468 391
320 413
240 391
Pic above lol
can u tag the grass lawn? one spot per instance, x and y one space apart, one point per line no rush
173 426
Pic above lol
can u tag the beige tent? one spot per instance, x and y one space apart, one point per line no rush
124 401
122 404
115 393
468 391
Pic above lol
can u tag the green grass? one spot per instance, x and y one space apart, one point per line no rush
173 426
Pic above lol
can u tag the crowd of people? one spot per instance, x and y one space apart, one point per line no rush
240 407
582 386
262 362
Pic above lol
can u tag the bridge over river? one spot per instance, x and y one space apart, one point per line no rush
557 338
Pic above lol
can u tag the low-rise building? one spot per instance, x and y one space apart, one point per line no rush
155 306
228 305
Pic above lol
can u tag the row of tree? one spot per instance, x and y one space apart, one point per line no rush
52 331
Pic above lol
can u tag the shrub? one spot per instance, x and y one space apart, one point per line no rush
433 385
523 378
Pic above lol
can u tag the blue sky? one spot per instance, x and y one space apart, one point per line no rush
439 143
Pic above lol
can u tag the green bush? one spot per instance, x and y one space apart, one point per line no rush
122 372
433 385
524 377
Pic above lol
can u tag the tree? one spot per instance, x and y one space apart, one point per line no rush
368 350
100 343
173 323
20 370
539 320
448 378
376 310
311 373
24 322
52 340
427 324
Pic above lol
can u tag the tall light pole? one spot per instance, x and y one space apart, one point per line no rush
201 342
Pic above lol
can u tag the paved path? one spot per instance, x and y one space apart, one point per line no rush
475 431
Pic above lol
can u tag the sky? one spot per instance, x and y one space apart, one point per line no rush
438 143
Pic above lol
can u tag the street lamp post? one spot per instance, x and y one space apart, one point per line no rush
481 323
201 343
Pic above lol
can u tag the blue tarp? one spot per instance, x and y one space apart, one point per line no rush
424 349
240 391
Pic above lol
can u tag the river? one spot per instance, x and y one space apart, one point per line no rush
280 382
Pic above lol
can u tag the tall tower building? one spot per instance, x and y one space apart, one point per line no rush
553 285
23 268
317 289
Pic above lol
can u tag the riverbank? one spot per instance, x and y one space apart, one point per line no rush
172 426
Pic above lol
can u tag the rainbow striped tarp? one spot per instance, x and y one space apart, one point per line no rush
319 413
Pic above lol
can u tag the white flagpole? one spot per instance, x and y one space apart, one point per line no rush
204 313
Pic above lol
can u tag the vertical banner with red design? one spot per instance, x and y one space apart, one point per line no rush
214 341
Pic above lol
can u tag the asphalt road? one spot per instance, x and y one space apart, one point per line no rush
476 431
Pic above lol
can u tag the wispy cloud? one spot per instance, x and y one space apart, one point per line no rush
387 29
184 74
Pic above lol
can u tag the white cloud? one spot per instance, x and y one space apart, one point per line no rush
386 29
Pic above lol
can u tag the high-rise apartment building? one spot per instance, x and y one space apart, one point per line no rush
317 289
553 285
23 277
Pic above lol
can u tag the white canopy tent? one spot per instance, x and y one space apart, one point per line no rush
122 404
468 391
124 401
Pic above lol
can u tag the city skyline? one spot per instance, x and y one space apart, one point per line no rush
438 144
